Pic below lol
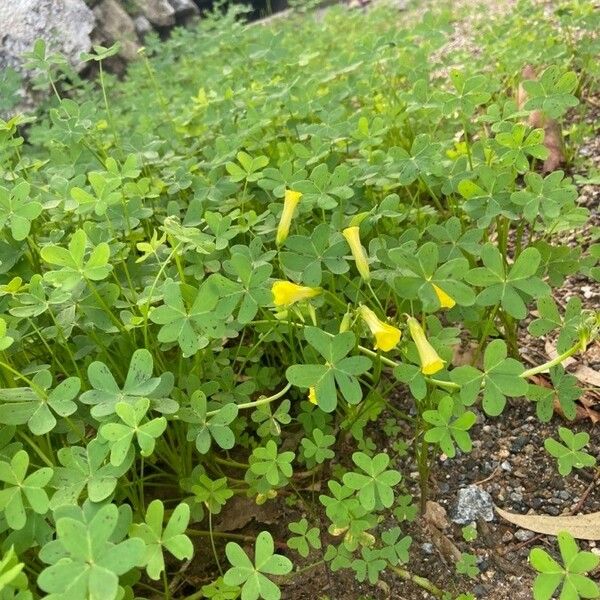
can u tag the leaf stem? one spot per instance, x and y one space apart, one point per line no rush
258 402
552 363
422 582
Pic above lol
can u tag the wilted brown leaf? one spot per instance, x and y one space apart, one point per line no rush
582 527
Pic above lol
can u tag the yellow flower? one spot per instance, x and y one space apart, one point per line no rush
352 236
386 336
286 293
289 206
430 361
446 301
312 395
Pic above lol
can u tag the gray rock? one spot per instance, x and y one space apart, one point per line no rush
65 25
427 548
159 12
516 496
472 503
184 8
115 25
505 466
524 535
142 26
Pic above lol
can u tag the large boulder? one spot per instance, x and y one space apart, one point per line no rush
113 24
65 25
159 12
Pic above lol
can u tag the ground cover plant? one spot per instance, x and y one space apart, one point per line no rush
218 272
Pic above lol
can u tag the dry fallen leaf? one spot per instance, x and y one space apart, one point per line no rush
436 515
582 527
444 545
239 511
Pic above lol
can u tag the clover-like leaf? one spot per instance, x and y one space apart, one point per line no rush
213 493
339 372
570 455
157 539
205 427
191 324
252 576
84 562
267 462
21 490
37 405
509 288
501 378
317 448
85 468
18 209
571 574
120 435
375 484
306 537
306 256
74 267
139 383
448 429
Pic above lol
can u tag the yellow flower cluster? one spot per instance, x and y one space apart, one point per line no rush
387 337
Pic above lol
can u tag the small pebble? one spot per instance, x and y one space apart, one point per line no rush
507 537
472 503
427 548
519 443
524 535
563 494
505 466
516 496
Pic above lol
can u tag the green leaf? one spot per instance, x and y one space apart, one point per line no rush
305 537
339 373
74 267
253 576
171 538
375 484
22 490
570 454
446 429
84 561
205 427
214 494
139 383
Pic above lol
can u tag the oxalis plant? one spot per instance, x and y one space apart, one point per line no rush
240 274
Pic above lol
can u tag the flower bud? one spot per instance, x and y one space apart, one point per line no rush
289 206
352 235
430 361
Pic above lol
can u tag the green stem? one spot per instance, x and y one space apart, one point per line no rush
212 543
220 534
166 585
37 449
422 582
258 402
230 463
552 363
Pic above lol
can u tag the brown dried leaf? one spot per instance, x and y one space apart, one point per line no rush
445 546
582 527
239 511
436 515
